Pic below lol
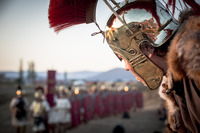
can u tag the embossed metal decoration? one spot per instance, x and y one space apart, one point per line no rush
144 20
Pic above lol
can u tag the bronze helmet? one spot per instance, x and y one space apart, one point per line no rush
137 22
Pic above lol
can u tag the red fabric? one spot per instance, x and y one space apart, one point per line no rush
109 104
88 108
129 100
139 100
50 99
51 81
99 106
118 107
75 113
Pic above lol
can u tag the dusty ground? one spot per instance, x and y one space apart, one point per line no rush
144 120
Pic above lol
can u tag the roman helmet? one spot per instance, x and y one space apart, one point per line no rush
134 23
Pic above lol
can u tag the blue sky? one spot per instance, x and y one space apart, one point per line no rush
25 34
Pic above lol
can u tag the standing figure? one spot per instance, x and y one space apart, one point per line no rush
52 115
63 107
39 110
19 110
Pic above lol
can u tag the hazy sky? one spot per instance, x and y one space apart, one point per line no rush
25 34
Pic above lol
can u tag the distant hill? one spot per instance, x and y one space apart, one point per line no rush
70 75
117 74
82 74
59 76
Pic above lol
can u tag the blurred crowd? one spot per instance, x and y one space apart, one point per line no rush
67 108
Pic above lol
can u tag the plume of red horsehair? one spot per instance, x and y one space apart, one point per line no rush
67 13
191 3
